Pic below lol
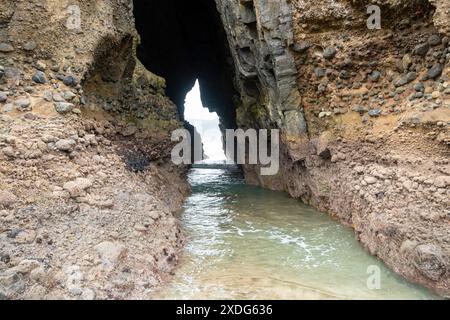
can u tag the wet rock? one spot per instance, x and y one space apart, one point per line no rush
6 47
64 107
329 53
77 187
429 262
7 198
39 77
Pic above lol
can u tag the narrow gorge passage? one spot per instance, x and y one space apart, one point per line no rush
244 242
93 205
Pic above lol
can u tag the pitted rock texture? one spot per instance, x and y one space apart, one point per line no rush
85 147
91 208
84 130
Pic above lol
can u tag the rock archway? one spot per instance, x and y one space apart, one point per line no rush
183 41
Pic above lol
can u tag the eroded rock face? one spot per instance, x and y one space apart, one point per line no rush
364 115
75 179
260 36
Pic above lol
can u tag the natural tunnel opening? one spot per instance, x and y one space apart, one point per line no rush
183 41
207 125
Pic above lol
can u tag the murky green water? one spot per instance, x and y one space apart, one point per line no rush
250 243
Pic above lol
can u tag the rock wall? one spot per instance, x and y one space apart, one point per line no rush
364 115
260 34
84 148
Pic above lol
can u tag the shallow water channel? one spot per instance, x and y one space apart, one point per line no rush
249 243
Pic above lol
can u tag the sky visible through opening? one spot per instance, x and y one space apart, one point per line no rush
206 123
